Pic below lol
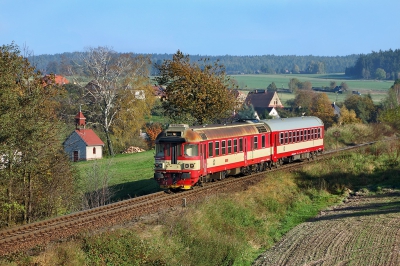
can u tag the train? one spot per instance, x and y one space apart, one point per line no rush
188 156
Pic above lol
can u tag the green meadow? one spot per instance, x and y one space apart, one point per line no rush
377 89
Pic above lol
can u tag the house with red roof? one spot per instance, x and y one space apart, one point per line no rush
58 79
83 144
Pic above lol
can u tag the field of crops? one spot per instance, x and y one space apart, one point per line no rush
363 231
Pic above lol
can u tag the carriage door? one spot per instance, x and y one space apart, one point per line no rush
203 159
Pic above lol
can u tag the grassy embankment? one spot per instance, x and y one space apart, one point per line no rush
233 229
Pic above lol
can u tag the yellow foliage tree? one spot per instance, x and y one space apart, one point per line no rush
348 116
323 109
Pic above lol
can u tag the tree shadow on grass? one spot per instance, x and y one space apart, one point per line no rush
363 210
383 182
134 189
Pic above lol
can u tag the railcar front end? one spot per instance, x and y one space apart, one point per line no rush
177 158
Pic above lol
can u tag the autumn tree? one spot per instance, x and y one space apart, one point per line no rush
36 178
322 108
196 93
152 130
348 117
303 101
119 94
363 106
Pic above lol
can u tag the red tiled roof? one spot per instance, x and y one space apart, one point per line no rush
61 80
58 79
89 137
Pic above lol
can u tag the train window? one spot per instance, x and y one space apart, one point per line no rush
281 138
223 147
191 150
312 133
210 149
235 146
319 133
308 134
160 149
240 145
286 138
301 135
229 146
255 143
263 141
315 133
217 148
305 134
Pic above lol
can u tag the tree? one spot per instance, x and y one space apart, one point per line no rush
391 106
36 178
380 73
304 101
348 116
119 94
322 108
294 84
363 106
344 86
196 93
272 87
306 85
296 69
152 131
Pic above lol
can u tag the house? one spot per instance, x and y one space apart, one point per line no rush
83 144
58 79
272 112
264 102
336 109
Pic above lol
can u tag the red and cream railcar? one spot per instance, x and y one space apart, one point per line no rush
187 156
296 138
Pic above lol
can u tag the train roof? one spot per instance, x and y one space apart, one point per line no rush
184 133
291 123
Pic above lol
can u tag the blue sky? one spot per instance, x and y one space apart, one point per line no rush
203 27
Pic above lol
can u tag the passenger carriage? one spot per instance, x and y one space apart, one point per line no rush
296 138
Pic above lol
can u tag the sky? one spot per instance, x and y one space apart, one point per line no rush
203 27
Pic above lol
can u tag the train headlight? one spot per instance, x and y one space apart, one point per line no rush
158 165
192 165
186 165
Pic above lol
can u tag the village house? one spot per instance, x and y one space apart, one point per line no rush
58 79
83 144
264 102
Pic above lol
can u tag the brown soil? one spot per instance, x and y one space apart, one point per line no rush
364 230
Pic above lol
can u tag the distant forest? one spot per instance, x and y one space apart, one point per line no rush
376 65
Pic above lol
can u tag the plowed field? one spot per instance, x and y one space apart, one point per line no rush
365 230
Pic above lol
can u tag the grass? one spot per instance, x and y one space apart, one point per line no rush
131 174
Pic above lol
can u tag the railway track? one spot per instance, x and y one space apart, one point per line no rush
40 233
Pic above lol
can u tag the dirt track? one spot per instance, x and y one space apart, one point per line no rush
365 230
